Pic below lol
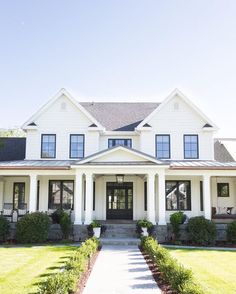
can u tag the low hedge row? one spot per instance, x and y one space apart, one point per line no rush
179 278
66 281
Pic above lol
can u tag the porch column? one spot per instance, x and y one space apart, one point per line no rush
207 196
78 198
151 198
89 198
162 198
33 193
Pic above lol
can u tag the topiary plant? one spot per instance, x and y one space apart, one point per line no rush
176 219
33 228
4 228
143 223
65 224
201 231
231 232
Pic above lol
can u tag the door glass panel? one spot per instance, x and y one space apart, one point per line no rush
19 195
130 198
67 195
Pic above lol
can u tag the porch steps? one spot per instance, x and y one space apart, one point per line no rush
127 230
120 241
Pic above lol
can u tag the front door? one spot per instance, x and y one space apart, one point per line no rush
120 200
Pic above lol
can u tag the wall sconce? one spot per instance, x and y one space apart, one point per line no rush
120 179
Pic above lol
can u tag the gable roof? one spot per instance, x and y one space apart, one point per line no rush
116 116
145 157
179 94
225 150
12 148
60 93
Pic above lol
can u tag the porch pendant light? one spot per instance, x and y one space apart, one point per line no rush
120 179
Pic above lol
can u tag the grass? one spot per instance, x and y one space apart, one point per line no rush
215 270
22 268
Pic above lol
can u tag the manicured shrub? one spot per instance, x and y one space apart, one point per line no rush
33 228
201 231
180 279
176 219
4 228
65 281
231 232
60 283
65 224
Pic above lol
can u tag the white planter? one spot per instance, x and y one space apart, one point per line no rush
97 232
145 232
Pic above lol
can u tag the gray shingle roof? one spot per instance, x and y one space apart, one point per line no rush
12 148
221 153
115 116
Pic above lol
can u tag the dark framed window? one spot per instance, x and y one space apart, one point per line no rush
76 146
178 195
191 147
145 196
223 189
48 146
61 194
163 146
201 197
18 195
119 142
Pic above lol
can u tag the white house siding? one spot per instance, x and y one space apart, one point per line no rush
223 201
119 156
61 118
177 122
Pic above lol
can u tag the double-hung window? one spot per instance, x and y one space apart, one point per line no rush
178 195
48 146
191 147
119 142
163 146
76 146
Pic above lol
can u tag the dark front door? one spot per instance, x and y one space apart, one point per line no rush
120 201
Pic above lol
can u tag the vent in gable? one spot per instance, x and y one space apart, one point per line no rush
176 106
63 106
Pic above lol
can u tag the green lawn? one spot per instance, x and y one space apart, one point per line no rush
22 268
214 270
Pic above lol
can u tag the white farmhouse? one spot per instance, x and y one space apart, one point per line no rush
119 161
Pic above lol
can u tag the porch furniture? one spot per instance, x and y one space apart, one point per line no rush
22 210
224 212
7 211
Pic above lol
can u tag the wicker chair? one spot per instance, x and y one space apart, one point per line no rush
22 210
7 211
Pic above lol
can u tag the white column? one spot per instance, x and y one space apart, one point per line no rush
78 198
207 196
89 198
162 198
33 193
151 197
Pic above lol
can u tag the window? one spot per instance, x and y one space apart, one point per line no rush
38 191
94 193
178 195
61 194
76 146
119 142
223 189
18 195
48 146
163 146
145 196
201 197
191 146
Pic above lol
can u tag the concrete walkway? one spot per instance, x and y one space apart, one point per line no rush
121 270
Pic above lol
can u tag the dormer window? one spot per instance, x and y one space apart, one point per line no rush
48 146
119 142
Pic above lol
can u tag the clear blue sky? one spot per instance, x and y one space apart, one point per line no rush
127 50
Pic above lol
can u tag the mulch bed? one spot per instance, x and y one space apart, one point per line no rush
165 288
82 283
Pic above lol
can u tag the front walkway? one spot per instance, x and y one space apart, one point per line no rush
121 270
